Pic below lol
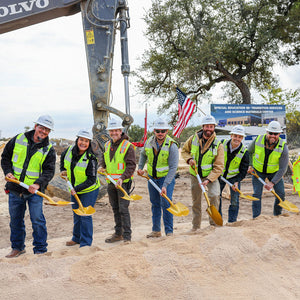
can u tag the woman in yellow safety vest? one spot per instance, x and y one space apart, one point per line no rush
79 163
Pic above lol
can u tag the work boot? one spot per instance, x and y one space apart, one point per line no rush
169 234
154 234
114 238
71 243
126 242
15 253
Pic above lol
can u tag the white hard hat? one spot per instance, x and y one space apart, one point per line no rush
85 133
114 124
46 121
161 124
238 129
208 120
274 126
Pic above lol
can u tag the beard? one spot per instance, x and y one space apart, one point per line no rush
207 133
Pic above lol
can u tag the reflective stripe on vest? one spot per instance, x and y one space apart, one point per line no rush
116 167
162 166
234 165
79 171
34 168
207 159
259 155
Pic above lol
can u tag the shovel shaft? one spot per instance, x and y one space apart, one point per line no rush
26 186
111 180
226 181
154 185
159 190
200 183
75 196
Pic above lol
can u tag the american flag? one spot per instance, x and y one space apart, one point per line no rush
186 108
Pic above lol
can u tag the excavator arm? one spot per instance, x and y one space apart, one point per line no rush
100 19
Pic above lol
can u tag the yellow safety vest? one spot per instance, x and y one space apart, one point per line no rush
234 165
208 157
259 155
162 166
116 167
296 175
34 168
79 171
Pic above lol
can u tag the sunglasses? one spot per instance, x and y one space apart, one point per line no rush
274 133
160 131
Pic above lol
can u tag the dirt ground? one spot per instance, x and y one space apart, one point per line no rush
250 259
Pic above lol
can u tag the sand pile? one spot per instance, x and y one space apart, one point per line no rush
251 259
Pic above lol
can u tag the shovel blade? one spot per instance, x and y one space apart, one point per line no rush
135 197
289 206
248 197
132 197
87 211
215 215
178 210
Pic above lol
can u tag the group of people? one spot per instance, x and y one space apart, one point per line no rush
216 159
30 158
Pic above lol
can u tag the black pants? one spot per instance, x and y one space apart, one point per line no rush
120 209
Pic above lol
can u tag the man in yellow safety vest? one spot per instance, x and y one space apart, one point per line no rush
204 149
269 157
119 161
161 151
30 158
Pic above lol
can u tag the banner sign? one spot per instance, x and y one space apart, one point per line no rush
254 117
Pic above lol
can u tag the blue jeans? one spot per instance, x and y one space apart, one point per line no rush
160 205
233 209
258 189
17 208
83 225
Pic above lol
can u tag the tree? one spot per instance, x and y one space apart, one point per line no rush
197 44
135 133
291 100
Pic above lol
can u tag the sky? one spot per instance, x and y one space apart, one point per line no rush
43 70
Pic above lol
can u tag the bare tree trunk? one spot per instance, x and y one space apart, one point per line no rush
244 89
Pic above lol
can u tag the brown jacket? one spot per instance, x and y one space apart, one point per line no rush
218 164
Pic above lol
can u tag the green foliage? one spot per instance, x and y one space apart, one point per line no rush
135 133
197 44
291 100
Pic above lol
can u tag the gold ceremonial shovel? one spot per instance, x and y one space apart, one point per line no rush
284 204
132 197
177 209
248 197
211 209
50 201
80 211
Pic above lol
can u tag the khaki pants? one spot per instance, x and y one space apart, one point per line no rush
197 195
